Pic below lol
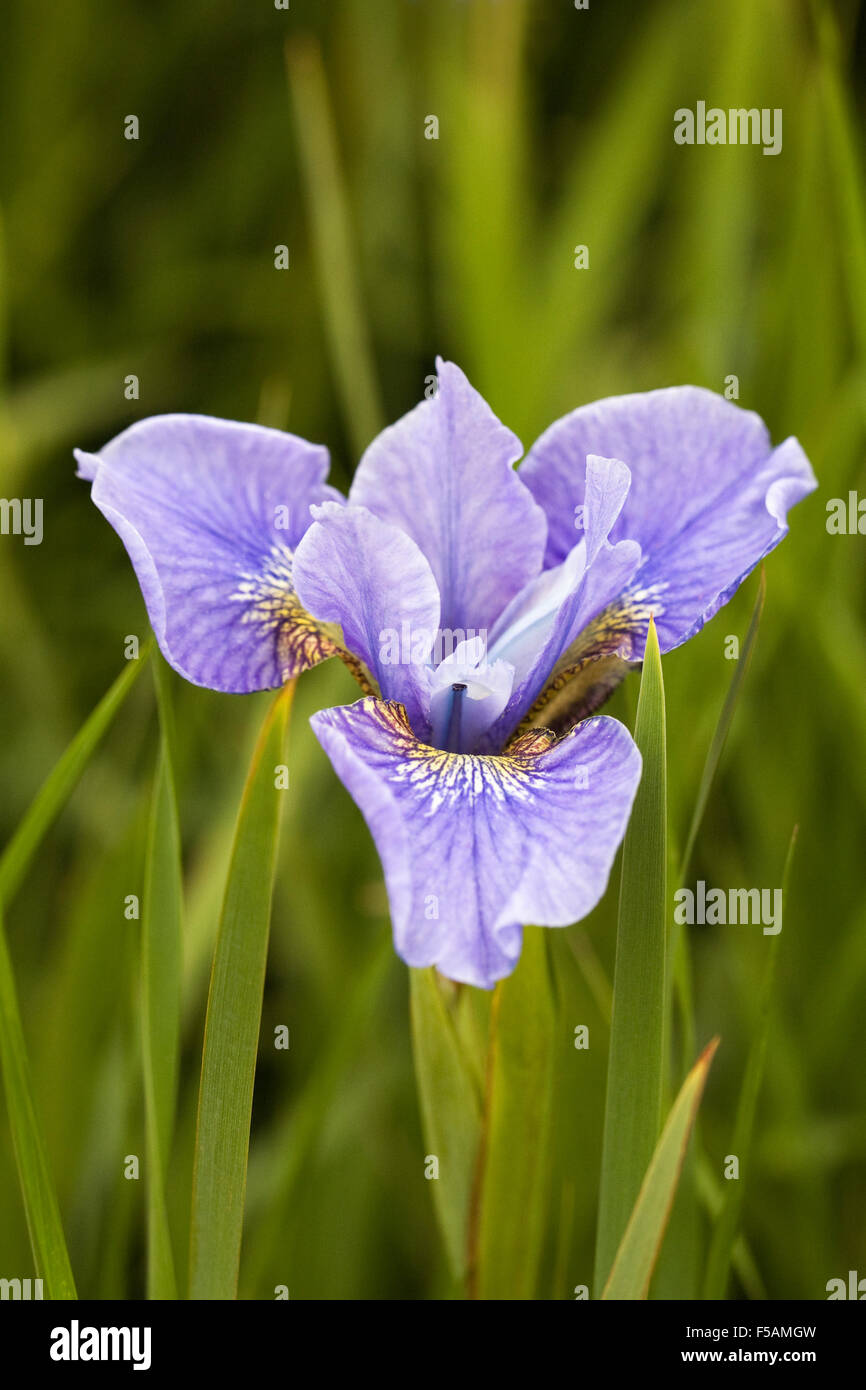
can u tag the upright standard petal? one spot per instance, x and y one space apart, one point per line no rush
354 569
708 500
444 475
473 847
210 512
541 630
557 640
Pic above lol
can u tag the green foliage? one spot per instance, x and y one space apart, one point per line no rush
451 1108
514 1171
636 1069
638 1250
37 1188
231 1036
161 952
156 257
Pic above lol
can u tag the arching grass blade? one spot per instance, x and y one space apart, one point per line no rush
16 857
635 1259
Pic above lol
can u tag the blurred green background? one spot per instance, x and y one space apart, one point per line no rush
262 127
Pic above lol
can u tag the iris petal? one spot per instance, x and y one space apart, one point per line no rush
444 475
539 629
473 847
708 500
210 512
354 569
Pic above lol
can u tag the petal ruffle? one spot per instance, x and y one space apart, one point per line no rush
354 569
474 847
444 475
210 512
708 500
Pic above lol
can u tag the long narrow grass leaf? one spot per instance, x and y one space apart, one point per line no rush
514 1188
333 243
635 1259
160 1001
636 1064
845 158
37 1187
681 1262
743 1260
450 1110
723 726
294 1140
232 1025
60 782
725 1229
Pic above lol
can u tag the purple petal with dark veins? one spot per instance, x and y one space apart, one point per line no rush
210 512
443 474
708 500
354 569
474 847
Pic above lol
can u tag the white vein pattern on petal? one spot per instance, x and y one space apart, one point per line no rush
449 779
265 592
649 594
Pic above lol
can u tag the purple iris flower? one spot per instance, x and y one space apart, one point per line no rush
486 613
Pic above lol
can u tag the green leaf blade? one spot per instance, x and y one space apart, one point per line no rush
37 1187
514 1178
333 241
635 1259
722 729
450 1111
161 965
60 782
725 1230
232 1024
636 1065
